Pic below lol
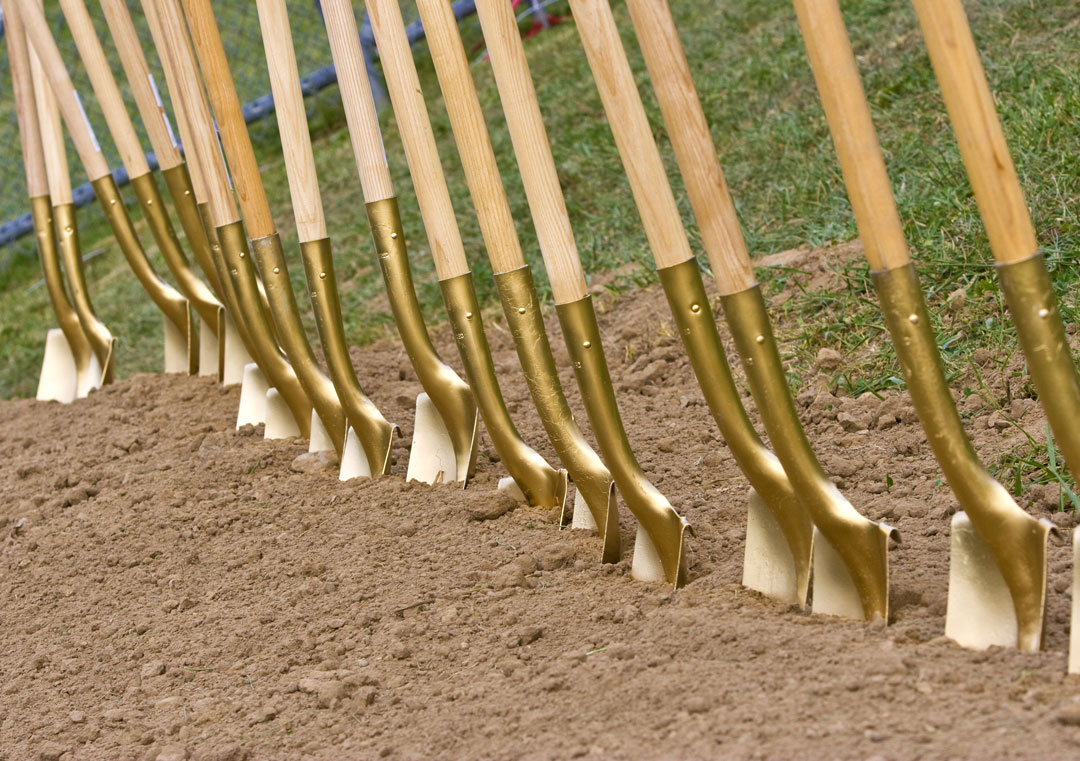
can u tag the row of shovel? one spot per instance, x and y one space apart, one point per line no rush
240 318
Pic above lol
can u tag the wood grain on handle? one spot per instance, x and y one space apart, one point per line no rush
471 136
105 89
230 118
22 85
52 65
422 154
356 97
292 120
633 135
183 125
203 150
848 114
695 153
533 152
52 132
127 43
978 130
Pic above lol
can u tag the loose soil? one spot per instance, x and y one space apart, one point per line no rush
172 588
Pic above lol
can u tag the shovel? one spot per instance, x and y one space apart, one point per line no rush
659 552
850 552
537 482
63 220
178 182
997 579
270 391
1021 268
198 226
69 368
181 351
369 436
594 505
444 435
779 540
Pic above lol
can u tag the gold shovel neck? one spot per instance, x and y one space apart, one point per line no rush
693 316
1016 540
525 318
170 301
318 388
66 316
655 515
861 544
1029 294
157 218
449 393
376 434
178 184
280 374
541 484
101 338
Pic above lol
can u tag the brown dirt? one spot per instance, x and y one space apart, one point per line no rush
171 588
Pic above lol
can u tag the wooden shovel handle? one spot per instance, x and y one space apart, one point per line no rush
848 114
104 85
692 142
203 149
633 136
230 118
471 136
978 130
532 150
429 183
52 64
356 97
292 120
22 85
127 43
52 129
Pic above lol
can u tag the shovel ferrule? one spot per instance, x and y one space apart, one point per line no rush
317 387
376 434
66 316
157 217
665 527
861 544
521 305
1030 296
278 371
101 339
694 317
229 297
178 183
541 484
171 302
1016 540
449 394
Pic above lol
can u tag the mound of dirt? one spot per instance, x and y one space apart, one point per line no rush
172 588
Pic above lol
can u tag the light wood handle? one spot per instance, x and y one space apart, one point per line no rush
356 97
848 114
22 85
147 99
104 85
695 153
183 125
422 154
230 118
52 65
978 130
292 120
532 150
52 132
471 135
633 137
203 149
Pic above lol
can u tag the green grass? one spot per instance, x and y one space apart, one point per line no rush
759 95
